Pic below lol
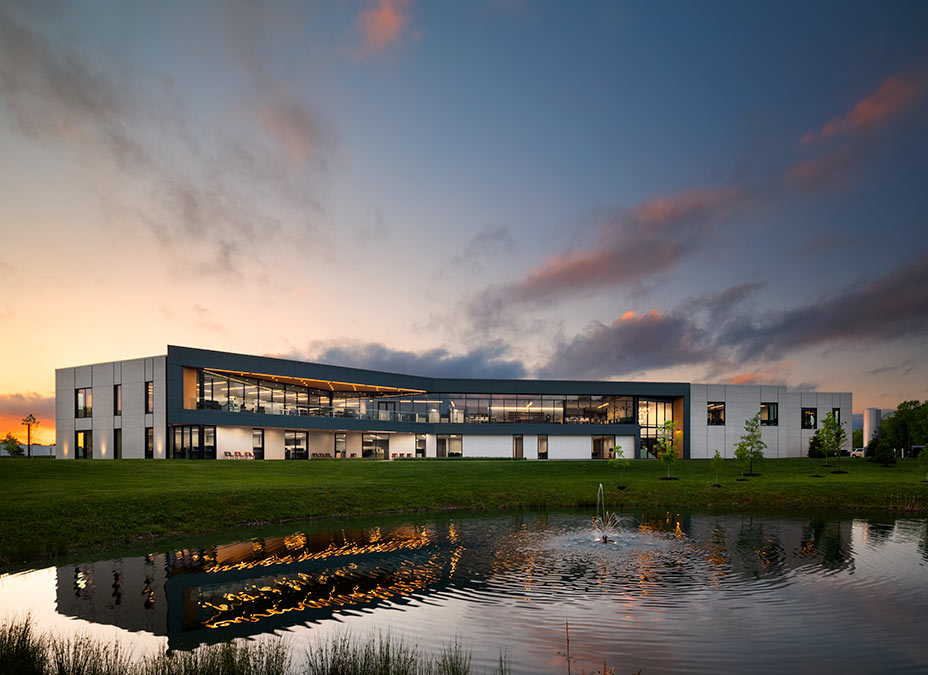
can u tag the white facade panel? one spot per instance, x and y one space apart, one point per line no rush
402 445
321 443
234 439
273 443
570 447
489 446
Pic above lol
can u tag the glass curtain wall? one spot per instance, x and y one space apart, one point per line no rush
296 445
652 414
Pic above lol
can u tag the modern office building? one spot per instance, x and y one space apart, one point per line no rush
202 404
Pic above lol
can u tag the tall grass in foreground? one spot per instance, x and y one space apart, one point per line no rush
24 652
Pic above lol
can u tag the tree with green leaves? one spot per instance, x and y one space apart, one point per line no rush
717 464
618 461
750 448
834 436
923 461
667 446
11 445
30 422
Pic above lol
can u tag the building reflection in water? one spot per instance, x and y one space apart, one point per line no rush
197 596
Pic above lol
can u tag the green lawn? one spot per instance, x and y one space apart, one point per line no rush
53 508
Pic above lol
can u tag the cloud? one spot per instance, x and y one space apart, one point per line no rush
832 170
205 197
487 361
718 331
631 343
14 407
886 308
489 242
631 246
383 24
895 95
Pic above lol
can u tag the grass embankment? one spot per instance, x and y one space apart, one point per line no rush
25 652
54 508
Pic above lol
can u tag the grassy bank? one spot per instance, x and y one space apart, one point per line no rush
23 651
53 508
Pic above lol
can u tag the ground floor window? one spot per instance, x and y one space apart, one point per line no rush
296 445
117 443
83 445
420 445
341 445
193 442
602 447
449 445
257 443
517 447
543 447
149 442
375 446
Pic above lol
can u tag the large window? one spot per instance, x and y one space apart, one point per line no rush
769 414
341 445
117 399
149 397
83 402
542 447
420 445
517 446
296 445
375 446
149 442
83 445
449 445
715 414
603 447
194 442
809 418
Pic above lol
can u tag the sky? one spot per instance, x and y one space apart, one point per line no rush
700 192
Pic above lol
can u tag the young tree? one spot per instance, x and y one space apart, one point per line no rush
834 436
816 445
717 464
666 443
618 461
750 448
30 421
11 445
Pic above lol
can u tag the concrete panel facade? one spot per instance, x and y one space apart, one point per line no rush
570 447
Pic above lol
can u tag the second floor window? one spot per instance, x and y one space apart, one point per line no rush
149 397
716 414
83 402
117 399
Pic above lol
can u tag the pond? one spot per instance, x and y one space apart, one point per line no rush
668 592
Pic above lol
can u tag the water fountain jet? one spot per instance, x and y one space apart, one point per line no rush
604 523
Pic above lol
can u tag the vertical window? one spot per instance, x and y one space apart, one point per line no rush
420 445
149 397
296 445
83 445
117 443
836 413
117 399
769 415
341 445
83 402
602 447
809 418
257 443
543 447
149 442
517 446
716 414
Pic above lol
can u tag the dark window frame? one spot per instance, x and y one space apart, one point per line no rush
713 419
117 443
149 442
805 414
149 397
117 400
770 421
83 402
542 440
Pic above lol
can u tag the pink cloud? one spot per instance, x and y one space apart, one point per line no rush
635 244
823 173
383 24
894 96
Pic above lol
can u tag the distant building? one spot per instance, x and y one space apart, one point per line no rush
200 404
872 419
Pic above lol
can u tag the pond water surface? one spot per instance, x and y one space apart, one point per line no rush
670 592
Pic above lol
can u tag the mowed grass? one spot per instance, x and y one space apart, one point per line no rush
53 508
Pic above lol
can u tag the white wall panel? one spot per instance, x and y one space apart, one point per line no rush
488 446
570 447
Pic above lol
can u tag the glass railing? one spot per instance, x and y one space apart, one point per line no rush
434 417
